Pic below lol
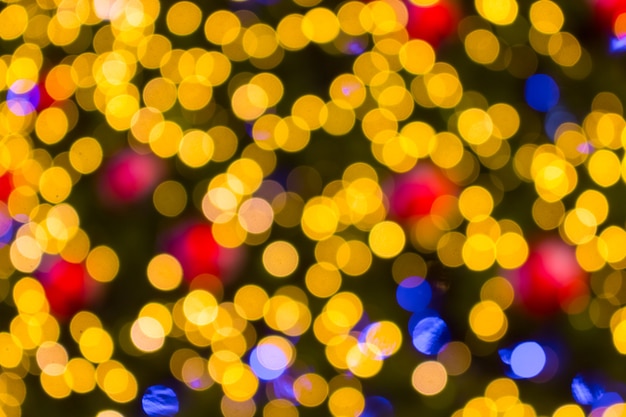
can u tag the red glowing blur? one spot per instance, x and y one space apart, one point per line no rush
68 286
45 100
414 194
607 13
129 177
6 186
433 24
551 279
194 246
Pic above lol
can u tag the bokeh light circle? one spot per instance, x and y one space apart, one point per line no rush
528 359
541 92
413 294
160 401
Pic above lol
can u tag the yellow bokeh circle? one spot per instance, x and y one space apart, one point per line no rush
387 239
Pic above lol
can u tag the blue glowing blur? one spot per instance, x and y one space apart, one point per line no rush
159 401
282 387
527 359
6 231
505 356
584 391
362 324
555 118
607 399
268 361
617 44
377 407
414 294
23 97
541 92
6 226
419 316
248 126
430 335
355 47
196 383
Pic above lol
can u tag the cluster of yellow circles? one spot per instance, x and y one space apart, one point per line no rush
207 91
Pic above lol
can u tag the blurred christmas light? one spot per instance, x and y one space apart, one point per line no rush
415 193
414 294
557 117
6 226
267 251
377 406
551 278
541 92
586 391
23 97
433 22
271 358
160 401
526 359
430 335
617 45
193 245
68 287
129 177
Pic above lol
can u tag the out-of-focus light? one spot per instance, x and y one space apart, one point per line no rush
429 378
555 118
194 246
430 335
419 316
23 97
6 186
586 391
268 361
108 9
159 401
608 399
6 225
528 359
377 406
414 193
382 338
617 45
414 294
541 92
67 285
433 23
129 177
552 365
585 148
310 389
282 387
551 279
355 47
